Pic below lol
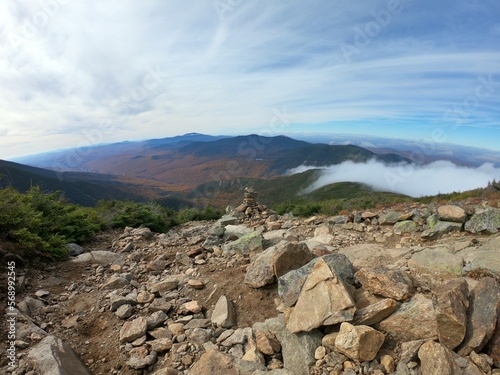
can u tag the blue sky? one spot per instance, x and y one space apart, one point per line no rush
76 73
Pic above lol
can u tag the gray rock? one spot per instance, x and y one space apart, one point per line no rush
29 306
156 319
405 226
275 262
486 256
74 249
124 311
290 284
238 231
245 245
133 329
116 301
372 255
140 358
441 228
484 307
339 219
437 262
115 282
297 349
98 257
390 218
224 314
227 220
52 356
485 220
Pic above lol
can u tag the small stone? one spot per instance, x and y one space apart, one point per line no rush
196 284
192 306
359 342
388 362
42 293
224 314
124 311
145 297
133 330
320 353
156 319
160 345
267 343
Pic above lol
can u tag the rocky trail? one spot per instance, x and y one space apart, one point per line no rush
405 290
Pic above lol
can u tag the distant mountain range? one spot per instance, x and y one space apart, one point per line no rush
420 151
177 170
185 162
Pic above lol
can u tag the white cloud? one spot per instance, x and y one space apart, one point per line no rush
409 179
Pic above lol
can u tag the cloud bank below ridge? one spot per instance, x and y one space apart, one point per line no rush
409 179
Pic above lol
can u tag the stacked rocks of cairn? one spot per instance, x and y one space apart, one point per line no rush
250 208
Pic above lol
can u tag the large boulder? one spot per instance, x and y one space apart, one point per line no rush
436 359
52 356
290 284
440 228
487 219
413 320
451 303
249 243
453 213
324 300
395 284
297 348
372 255
486 256
437 261
484 307
275 262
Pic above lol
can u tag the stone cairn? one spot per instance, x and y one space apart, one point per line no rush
250 208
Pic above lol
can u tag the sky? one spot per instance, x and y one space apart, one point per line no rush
80 73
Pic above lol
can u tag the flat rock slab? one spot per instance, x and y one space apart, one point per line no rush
437 262
372 255
98 257
52 356
486 256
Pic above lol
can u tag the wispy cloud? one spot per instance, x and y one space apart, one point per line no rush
409 179
225 69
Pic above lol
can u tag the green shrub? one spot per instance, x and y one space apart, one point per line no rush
121 214
44 222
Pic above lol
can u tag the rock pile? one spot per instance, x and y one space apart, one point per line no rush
365 293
